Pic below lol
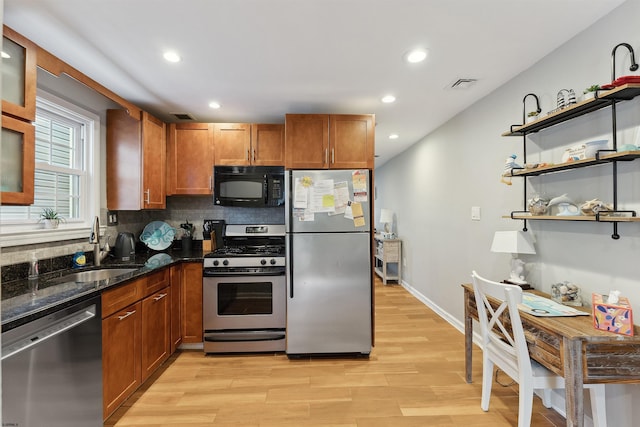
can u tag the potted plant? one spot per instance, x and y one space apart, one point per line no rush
590 92
532 116
50 218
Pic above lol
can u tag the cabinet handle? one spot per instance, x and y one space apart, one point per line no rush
248 156
129 313
211 183
147 196
333 156
159 297
326 156
254 155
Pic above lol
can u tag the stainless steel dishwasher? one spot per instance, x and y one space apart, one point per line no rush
52 369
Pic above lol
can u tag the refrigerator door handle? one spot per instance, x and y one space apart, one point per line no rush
290 262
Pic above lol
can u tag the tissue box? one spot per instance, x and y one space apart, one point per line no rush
617 318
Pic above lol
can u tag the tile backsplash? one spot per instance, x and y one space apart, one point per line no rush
179 209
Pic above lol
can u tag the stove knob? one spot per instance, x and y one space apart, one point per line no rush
273 261
263 261
216 263
225 262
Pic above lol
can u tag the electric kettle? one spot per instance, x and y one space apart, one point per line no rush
125 247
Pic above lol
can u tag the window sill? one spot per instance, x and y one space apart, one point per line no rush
36 236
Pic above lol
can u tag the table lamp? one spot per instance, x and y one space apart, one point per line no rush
386 218
514 242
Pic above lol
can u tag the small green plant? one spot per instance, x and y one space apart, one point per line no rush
50 214
532 114
593 88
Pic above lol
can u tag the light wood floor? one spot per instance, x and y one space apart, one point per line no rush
414 377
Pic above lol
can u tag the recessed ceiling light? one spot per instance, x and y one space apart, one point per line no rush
416 55
214 105
394 136
172 56
388 99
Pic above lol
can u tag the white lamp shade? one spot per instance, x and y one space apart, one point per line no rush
512 242
386 216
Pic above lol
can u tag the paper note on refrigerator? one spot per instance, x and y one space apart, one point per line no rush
300 194
341 197
358 214
321 197
360 192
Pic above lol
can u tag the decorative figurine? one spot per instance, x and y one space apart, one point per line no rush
595 206
509 165
566 207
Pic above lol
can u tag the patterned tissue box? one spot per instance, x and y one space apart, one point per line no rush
617 318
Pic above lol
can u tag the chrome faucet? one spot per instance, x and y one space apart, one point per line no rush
98 253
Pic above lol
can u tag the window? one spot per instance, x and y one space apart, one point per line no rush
65 174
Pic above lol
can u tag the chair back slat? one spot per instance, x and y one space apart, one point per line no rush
500 323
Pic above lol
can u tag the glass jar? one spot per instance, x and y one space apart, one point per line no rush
566 293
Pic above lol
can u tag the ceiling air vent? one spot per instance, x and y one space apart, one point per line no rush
463 83
183 116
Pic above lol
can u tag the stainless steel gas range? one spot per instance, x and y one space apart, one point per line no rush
244 291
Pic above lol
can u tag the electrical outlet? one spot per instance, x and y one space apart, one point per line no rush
404 261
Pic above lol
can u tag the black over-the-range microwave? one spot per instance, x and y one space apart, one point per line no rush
248 186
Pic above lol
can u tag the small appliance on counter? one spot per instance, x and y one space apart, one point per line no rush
125 248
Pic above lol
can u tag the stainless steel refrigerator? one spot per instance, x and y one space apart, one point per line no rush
329 273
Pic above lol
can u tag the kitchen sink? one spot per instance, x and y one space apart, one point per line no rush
94 275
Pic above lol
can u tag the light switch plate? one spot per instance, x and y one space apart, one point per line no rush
112 217
475 213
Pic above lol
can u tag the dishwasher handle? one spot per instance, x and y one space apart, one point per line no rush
49 331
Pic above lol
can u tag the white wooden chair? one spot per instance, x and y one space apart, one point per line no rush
506 348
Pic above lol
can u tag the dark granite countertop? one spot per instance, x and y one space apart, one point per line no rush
54 294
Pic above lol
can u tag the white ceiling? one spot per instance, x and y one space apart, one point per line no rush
261 59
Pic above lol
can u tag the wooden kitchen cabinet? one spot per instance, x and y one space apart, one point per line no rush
17 148
336 141
19 72
233 143
177 319
135 335
156 331
121 356
192 302
136 159
190 157
17 162
243 144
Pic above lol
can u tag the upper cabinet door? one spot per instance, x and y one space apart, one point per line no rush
154 155
136 153
267 145
307 141
351 141
17 162
190 154
18 76
233 143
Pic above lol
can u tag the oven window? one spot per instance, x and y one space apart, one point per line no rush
241 189
238 299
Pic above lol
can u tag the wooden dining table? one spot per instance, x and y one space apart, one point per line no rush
572 348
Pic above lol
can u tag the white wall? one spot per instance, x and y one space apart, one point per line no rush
458 166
